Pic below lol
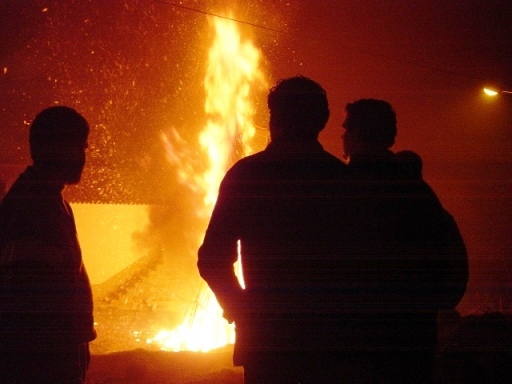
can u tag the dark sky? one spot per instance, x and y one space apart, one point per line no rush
132 67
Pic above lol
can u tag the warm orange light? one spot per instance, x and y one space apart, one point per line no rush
233 68
202 330
490 92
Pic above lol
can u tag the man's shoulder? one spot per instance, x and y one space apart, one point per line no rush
27 201
248 163
21 193
266 162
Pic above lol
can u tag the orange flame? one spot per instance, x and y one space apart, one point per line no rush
233 68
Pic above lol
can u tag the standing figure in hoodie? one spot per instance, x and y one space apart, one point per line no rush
415 258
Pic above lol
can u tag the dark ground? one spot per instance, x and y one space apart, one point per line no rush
473 349
151 367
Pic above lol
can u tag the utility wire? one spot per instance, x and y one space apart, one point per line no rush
220 16
362 51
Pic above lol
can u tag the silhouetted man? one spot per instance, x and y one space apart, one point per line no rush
46 310
415 257
285 207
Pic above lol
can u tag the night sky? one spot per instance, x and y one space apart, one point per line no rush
135 68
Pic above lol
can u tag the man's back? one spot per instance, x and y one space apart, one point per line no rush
287 203
405 219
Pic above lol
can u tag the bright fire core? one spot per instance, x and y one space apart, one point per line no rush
232 70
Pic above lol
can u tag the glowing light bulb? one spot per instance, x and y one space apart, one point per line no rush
490 92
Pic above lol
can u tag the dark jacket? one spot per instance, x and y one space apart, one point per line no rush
284 204
416 260
46 299
335 259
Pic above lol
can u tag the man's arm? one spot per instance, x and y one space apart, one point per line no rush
219 252
450 259
444 268
455 261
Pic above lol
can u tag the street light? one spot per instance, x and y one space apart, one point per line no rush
493 92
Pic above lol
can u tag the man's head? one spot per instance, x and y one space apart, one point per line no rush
370 125
298 109
58 140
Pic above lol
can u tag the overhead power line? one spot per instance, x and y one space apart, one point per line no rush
359 50
220 16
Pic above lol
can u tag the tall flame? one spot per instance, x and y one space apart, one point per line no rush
233 67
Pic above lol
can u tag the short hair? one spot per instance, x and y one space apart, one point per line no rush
53 129
374 119
299 106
